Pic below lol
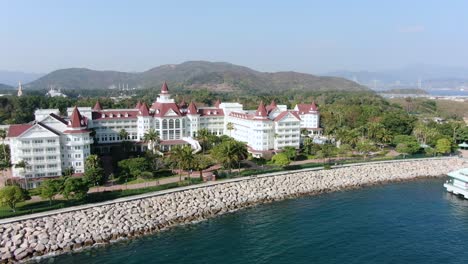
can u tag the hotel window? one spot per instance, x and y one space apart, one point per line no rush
77 147
51 141
77 156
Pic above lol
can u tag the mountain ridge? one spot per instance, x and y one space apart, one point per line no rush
216 76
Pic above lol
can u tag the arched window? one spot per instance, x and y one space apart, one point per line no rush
171 123
164 124
177 123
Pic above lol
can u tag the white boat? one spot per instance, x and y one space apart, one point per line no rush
458 182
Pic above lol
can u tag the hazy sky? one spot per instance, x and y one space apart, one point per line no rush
307 36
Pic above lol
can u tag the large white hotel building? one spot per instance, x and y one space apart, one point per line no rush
51 143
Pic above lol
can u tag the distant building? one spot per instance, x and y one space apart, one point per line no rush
55 93
20 89
52 143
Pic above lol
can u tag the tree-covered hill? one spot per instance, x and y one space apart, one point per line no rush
214 76
5 87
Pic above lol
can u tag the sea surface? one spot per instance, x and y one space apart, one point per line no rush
415 222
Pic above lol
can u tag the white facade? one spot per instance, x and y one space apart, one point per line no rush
48 147
52 144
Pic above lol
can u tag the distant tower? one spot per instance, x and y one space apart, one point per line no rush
20 89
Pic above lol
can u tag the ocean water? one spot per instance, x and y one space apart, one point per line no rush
415 222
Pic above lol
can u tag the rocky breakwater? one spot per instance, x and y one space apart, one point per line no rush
58 233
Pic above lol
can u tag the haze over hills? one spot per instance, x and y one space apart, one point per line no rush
5 87
216 76
12 78
431 77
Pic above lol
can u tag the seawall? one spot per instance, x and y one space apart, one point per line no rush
74 228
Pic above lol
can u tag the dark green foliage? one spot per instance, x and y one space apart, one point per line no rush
132 168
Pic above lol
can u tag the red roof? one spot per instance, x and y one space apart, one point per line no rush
144 110
16 130
241 115
285 113
164 89
307 108
192 109
272 106
261 111
160 109
182 104
313 107
217 103
97 106
76 120
138 105
211 112
76 131
124 114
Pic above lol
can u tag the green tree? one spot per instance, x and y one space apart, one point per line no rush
229 127
3 135
183 158
200 163
290 152
12 195
152 138
443 146
203 136
281 159
68 172
50 188
94 173
229 153
132 168
75 188
365 146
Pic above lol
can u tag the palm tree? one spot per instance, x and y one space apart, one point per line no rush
183 158
123 134
151 137
203 135
230 127
230 152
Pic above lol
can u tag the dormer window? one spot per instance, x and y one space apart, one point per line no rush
111 115
103 115
157 111
126 114
118 115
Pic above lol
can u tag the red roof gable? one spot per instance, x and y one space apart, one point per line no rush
182 104
313 107
217 103
307 108
160 109
192 109
138 105
76 120
261 110
144 111
97 106
164 89
285 113
16 130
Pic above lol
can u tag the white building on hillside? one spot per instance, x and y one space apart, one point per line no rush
52 143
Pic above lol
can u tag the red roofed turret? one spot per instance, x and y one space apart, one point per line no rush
97 106
76 120
192 109
144 111
138 105
273 103
261 111
217 103
313 106
182 104
164 89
